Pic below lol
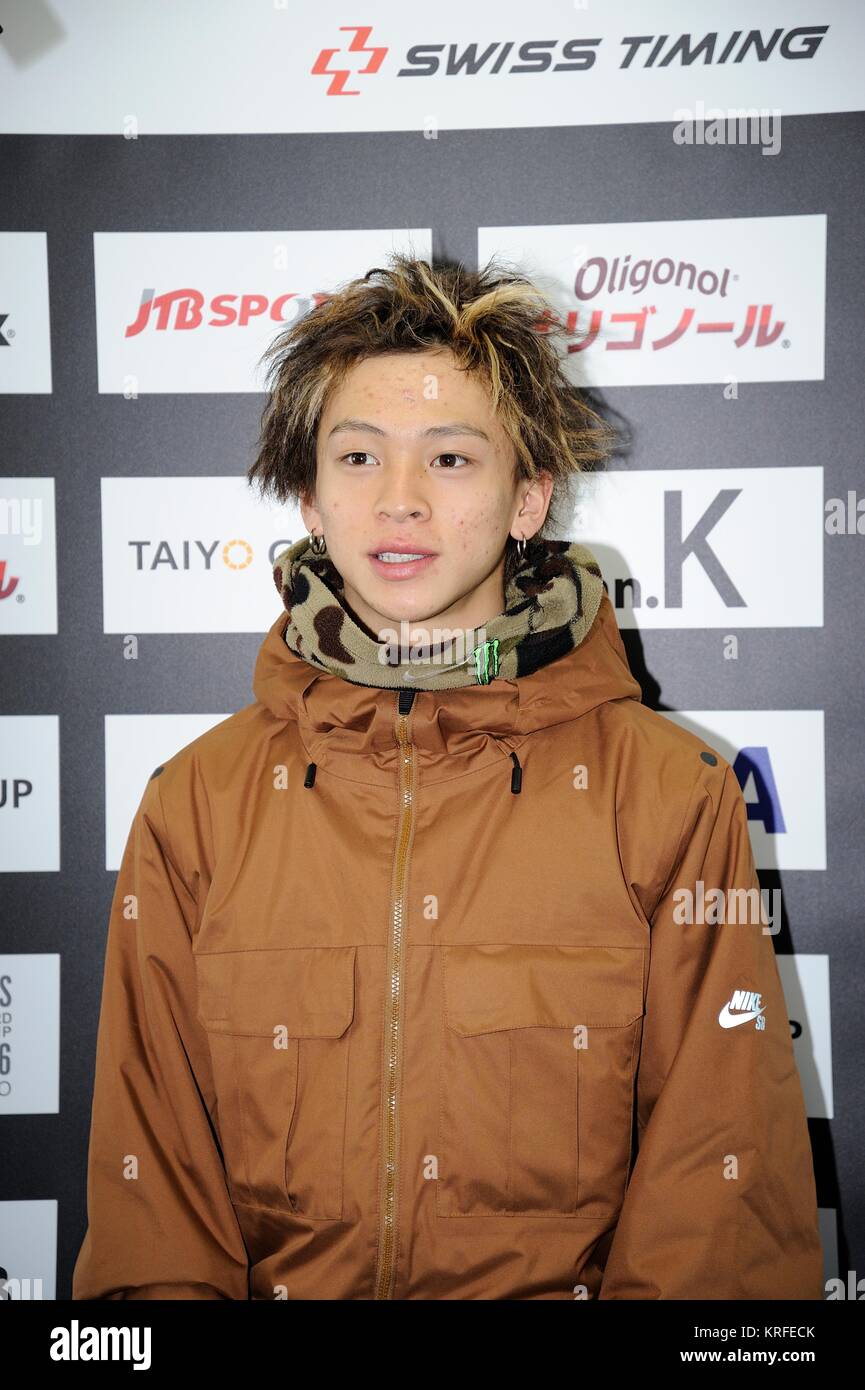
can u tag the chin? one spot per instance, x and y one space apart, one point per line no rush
407 608
404 613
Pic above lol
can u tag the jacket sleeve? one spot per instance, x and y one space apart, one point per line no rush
721 1202
160 1221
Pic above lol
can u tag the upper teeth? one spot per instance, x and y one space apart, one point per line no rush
396 555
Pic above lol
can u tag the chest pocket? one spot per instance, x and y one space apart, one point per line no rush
538 1053
279 1029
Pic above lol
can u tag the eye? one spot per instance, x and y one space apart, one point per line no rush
448 466
356 454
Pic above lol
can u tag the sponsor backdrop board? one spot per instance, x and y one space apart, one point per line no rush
686 186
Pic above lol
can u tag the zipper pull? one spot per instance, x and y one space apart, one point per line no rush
516 775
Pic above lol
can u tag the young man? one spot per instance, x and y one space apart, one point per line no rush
403 996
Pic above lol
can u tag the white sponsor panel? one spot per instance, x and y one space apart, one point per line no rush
779 759
805 980
28 556
725 300
29 793
191 555
195 311
693 547
28 1241
121 70
25 319
29 1035
135 746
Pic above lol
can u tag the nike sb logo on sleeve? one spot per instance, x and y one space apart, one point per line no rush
742 1006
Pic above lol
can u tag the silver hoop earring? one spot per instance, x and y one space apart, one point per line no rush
315 547
521 548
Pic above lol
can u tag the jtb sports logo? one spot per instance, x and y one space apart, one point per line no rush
743 1006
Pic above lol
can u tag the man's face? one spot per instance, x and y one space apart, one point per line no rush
411 460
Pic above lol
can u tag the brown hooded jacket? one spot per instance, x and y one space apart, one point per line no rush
398 1003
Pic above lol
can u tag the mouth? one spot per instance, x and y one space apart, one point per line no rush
400 564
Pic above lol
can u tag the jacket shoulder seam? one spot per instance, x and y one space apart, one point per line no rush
677 849
165 846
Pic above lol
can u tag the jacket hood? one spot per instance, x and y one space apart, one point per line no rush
575 664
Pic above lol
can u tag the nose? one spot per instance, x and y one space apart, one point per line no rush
402 493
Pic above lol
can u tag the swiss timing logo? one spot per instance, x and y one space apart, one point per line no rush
326 66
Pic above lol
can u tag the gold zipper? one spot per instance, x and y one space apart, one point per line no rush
386 1271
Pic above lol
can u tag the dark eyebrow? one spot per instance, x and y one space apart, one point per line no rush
433 432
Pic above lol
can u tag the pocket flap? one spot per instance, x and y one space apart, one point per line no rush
307 990
488 988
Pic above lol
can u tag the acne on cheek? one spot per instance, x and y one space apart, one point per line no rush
486 522
473 536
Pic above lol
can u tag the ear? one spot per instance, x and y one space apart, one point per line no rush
311 516
532 505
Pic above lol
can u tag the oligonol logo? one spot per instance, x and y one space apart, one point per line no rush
632 273
726 300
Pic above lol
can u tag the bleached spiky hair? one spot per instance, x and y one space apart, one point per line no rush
496 322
